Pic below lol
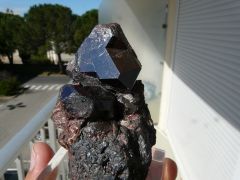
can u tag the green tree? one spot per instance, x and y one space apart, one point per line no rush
9 24
50 26
84 24
25 43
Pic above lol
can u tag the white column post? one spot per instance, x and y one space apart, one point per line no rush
43 135
20 168
52 135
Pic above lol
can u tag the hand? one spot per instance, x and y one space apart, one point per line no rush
42 154
165 171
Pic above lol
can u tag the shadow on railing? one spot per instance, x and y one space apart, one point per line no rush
40 127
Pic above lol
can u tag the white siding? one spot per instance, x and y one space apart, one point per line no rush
204 113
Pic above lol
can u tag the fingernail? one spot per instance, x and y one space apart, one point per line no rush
33 159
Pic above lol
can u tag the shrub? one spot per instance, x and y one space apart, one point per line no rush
9 86
40 60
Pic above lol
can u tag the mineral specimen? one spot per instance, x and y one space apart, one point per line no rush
105 122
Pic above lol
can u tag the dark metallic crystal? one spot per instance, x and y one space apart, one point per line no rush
107 129
107 55
76 104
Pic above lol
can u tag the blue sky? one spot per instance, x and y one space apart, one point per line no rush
21 6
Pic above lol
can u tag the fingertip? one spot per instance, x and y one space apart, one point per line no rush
43 150
155 171
41 146
40 156
169 169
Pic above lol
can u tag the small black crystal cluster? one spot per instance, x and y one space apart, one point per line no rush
105 122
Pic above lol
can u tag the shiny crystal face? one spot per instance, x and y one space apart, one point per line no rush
107 55
75 104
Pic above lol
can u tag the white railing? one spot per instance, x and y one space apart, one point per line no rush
12 150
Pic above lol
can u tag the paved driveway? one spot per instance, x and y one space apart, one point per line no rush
15 113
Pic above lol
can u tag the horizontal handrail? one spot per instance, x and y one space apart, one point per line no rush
12 148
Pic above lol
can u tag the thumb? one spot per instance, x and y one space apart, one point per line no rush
40 156
169 169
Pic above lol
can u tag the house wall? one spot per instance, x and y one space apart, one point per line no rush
52 56
142 23
202 114
16 58
168 64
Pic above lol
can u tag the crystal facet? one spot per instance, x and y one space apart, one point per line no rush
107 55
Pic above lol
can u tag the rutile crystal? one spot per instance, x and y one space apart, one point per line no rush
107 55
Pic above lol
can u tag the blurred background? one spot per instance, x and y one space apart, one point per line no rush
40 37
